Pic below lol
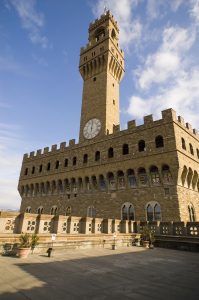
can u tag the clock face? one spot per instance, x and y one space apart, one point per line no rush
92 128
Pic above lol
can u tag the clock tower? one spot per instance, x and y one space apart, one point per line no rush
102 68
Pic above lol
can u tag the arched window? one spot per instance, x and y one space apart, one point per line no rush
53 210
127 212
120 180
113 34
110 152
194 180
149 213
183 144
189 177
87 184
191 149
102 183
91 212
47 187
26 171
42 188
191 213
33 169
32 190
153 211
142 176
85 158
74 186
27 190
74 161
48 167
57 164
197 151
28 209
125 149
68 211
66 162
155 177
94 182
80 184
124 213
99 33
111 181
97 156
40 168
141 146
131 213
53 187
60 186
166 174
131 178
159 141
40 210
184 175
157 212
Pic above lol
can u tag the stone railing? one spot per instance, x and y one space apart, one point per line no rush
13 222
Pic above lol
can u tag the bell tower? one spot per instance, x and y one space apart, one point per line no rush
102 68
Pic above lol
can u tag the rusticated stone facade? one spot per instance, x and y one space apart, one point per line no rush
146 172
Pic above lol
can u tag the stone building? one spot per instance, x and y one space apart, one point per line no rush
146 172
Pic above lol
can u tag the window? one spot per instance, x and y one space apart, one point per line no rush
33 170
85 158
28 210
128 212
125 149
94 79
48 167
191 213
66 162
91 212
87 184
142 176
99 33
166 192
60 186
40 168
141 146
183 144
26 171
113 34
159 141
120 180
153 211
166 174
197 151
40 210
113 102
74 161
155 177
94 182
111 181
131 178
97 156
191 149
102 183
110 153
68 211
57 164
53 210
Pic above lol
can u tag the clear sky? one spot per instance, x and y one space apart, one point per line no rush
40 87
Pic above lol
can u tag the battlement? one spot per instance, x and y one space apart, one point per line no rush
104 17
168 115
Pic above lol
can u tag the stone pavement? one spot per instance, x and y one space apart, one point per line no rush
126 273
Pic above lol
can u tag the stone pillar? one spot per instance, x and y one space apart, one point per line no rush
74 225
46 224
124 226
117 226
61 224
29 223
86 225
9 222
107 226
97 225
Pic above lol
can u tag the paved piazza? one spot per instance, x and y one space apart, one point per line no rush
126 273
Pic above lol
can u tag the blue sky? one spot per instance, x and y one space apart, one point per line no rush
40 87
